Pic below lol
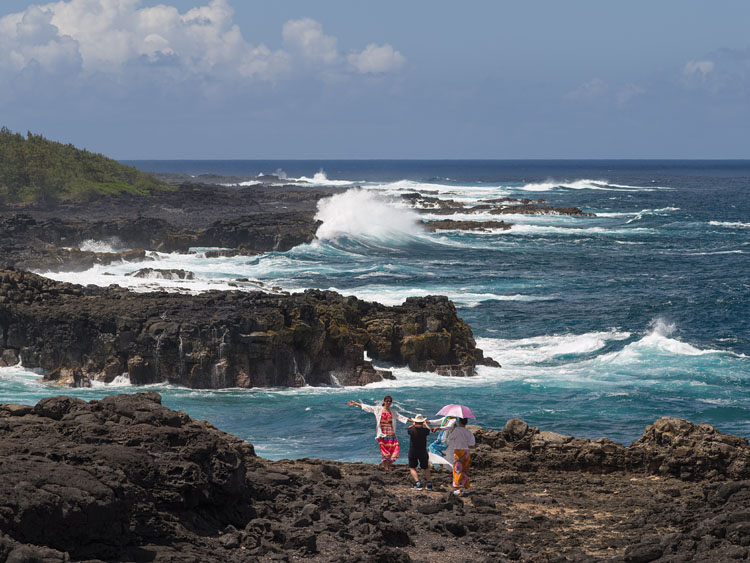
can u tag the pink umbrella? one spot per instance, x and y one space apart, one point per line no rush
459 411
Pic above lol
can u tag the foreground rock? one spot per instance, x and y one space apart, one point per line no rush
224 339
125 479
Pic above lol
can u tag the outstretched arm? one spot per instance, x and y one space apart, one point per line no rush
364 407
400 417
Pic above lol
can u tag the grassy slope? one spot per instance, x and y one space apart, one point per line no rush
36 170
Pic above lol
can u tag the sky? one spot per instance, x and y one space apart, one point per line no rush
415 79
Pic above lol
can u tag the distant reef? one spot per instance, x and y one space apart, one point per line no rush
224 338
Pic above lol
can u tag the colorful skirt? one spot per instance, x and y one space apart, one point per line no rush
461 463
389 448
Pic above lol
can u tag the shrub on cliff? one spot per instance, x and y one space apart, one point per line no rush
36 170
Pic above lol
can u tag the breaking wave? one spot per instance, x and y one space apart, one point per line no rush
362 214
585 184
730 224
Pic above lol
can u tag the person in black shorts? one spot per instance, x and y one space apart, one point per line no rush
418 433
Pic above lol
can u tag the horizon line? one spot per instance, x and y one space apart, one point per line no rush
433 159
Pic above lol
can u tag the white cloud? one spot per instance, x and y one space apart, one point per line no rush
377 59
697 71
627 93
117 38
306 37
30 39
591 90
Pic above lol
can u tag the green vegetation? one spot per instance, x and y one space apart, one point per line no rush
35 170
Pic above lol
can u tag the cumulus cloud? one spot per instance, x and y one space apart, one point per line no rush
697 70
725 73
117 37
377 59
31 39
628 92
306 37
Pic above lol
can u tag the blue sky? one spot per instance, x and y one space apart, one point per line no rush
344 79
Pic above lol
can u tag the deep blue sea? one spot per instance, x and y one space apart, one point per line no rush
602 324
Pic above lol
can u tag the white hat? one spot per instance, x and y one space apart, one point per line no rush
419 418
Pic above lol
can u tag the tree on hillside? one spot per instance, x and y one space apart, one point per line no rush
36 170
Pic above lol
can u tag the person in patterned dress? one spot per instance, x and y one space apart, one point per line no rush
385 430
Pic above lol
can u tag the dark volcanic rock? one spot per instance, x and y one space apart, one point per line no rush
677 447
671 446
446 224
501 206
125 479
54 244
535 209
105 479
224 339
162 274
252 219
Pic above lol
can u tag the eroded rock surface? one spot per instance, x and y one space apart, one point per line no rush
223 339
125 479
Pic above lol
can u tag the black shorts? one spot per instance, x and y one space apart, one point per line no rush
422 458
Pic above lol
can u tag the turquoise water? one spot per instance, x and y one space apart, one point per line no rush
602 324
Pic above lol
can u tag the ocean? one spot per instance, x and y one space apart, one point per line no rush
601 324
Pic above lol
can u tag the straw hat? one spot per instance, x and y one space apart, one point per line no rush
419 419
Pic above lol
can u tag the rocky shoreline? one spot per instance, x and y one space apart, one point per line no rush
224 339
241 338
267 216
126 479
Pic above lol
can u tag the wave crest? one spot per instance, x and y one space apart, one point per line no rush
360 213
586 184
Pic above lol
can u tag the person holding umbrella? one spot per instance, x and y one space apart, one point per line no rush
459 442
385 430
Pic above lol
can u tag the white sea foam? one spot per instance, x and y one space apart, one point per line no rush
663 211
517 229
206 272
92 245
122 380
584 184
467 194
730 224
361 213
539 349
656 346
390 295
714 253
320 179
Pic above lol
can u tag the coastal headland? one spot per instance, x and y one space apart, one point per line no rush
218 339
127 479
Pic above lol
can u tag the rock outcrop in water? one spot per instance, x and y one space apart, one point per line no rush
501 206
224 339
54 244
126 479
